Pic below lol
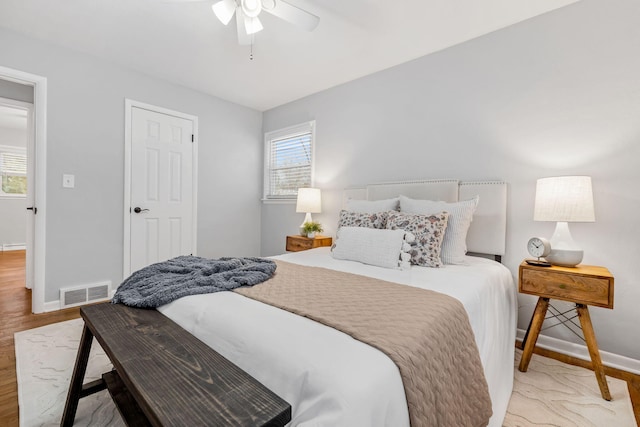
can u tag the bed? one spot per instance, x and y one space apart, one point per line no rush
332 379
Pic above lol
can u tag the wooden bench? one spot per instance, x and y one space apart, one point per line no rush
164 376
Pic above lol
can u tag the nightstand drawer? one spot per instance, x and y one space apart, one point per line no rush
301 243
295 245
583 289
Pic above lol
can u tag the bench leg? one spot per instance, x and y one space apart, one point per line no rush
75 388
129 409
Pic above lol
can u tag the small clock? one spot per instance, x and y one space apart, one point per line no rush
539 247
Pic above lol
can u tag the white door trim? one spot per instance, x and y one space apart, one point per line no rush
39 84
129 105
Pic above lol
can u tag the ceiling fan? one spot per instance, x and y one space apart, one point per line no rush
247 12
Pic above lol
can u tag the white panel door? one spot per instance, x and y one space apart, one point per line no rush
162 187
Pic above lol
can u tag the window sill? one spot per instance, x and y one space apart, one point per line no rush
279 201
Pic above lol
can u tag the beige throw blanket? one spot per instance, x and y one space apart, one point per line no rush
427 334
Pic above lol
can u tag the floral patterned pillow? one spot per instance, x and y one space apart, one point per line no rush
361 219
428 231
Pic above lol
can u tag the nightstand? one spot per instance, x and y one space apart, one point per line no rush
583 285
302 243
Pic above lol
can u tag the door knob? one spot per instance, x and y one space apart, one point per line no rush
138 210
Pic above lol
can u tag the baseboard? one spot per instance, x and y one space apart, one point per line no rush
580 351
13 247
51 306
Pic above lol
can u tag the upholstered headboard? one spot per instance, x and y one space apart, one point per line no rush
487 234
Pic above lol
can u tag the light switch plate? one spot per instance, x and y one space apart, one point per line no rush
68 181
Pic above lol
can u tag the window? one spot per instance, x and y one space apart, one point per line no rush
288 161
13 171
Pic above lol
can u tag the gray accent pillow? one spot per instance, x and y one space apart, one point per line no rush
428 231
362 219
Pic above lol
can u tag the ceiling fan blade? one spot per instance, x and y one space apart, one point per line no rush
252 25
292 14
224 10
243 37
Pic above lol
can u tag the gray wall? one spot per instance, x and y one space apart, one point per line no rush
13 216
555 95
86 138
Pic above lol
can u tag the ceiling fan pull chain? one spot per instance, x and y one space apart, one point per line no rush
251 49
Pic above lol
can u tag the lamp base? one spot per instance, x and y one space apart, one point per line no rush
565 257
564 250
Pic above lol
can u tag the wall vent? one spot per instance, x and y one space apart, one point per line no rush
79 295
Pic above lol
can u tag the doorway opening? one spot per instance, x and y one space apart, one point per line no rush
16 227
23 175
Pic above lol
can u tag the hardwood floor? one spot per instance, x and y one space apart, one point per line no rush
15 315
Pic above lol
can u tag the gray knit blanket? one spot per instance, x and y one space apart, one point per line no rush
161 283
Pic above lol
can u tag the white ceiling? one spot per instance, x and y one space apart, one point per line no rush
184 43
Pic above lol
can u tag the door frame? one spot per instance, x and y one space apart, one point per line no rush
39 129
128 111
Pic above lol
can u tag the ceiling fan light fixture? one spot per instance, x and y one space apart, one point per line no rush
224 10
251 8
252 25
247 11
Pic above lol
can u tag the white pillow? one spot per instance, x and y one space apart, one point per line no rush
454 245
383 248
372 206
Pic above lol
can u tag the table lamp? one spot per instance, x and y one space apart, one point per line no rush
309 201
564 199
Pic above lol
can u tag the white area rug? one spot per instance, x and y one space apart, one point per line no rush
44 363
550 393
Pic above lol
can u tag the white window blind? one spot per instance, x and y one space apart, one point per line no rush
288 161
13 163
13 171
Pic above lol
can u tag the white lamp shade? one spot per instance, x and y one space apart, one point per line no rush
564 198
309 200
224 10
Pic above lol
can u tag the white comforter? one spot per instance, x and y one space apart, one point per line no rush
329 378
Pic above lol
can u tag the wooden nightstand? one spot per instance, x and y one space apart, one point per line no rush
583 285
302 243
